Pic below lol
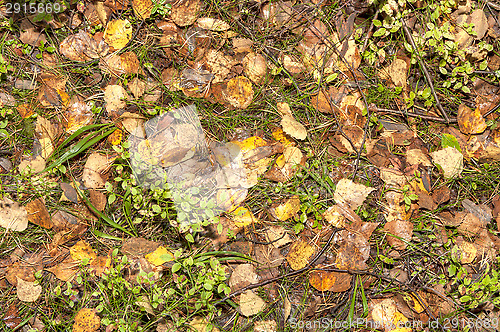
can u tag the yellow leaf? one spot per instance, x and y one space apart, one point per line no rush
82 251
299 254
118 33
86 320
160 256
243 217
142 8
287 209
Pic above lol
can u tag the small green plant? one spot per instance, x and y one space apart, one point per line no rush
162 7
42 47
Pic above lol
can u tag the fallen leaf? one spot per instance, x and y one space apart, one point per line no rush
242 276
142 8
397 220
25 110
160 256
478 18
450 160
86 320
239 92
47 135
200 324
115 97
243 217
100 265
28 291
416 157
82 251
265 326
329 280
470 121
185 13
95 166
12 215
78 114
293 128
119 64
118 33
220 65
33 165
397 71
38 214
12 318
352 193
467 251
82 47
251 304
255 67
299 254
212 24
287 209
278 236
134 124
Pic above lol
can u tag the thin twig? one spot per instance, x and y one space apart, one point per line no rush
424 70
268 281
414 115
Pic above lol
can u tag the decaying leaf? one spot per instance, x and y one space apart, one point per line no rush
239 92
33 165
470 121
119 64
255 66
160 256
243 217
118 33
450 160
212 24
83 47
78 114
265 326
38 214
47 134
142 8
330 281
398 222
352 193
28 291
242 276
115 97
12 215
397 71
299 254
199 324
293 128
96 165
278 236
86 320
287 209
416 156
251 304
185 13
386 315
82 251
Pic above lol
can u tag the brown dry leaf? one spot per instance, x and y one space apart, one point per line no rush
229 199
33 165
219 64
78 114
255 67
416 157
265 326
119 64
98 199
25 110
100 265
115 97
293 128
47 134
212 24
392 177
450 160
28 291
11 318
22 270
96 165
138 246
185 13
86 320
397 71
242 276
32 37
287 209
82 47
242 45
239 92
82 251
352 193
251 304
467 251
386 315
134 124
142 8
278 236
478 18
199 324
12 215
137 86
118 33
38 214
66 270
470 121
333 215
160 256
299 254
286 165
69 192
330 281
397 220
